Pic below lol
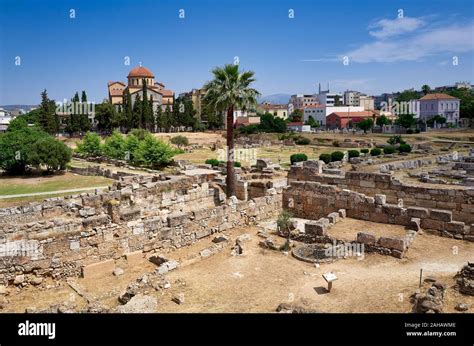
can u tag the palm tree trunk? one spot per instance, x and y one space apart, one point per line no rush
230 179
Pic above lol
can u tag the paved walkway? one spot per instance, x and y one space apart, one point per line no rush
53 192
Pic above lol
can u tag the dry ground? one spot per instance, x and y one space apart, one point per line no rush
261 279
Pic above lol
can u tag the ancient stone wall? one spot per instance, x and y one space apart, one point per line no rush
313 200
66 236
459 201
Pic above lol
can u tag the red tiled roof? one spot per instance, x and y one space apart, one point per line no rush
141 71
273 106
438 96
362 114
314 106
112 82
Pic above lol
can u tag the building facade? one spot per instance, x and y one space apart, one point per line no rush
299 101
440 104
278 110
160 96
342 120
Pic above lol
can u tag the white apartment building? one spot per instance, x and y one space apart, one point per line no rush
319 113
356 98
326 98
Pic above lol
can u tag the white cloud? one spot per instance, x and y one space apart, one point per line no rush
442 40
394 27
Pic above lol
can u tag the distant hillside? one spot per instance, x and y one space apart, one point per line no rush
14 107
275 98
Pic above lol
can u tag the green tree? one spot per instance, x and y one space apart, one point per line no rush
137 113
229 90
271 123
153 153
337 101
296 116
365 124
426 89
23 147
50 153
115 146
383 120
406 120
127 111
107 117
48 119
90 145
408 95
466 97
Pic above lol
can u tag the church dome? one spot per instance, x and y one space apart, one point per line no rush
140 71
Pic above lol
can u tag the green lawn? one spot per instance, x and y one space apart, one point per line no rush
23 185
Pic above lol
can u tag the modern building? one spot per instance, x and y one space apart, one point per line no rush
317 112
458 85
356 98
160 96
327 98
298 127
342 120
278 110
440 104
299 101
5 119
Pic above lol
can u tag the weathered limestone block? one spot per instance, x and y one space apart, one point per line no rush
366 238
342 213
129 214
417 212
392 209
333 217
415 224
95 221
315 228
433 224
177 219
380 199
441 215
392 243
456 227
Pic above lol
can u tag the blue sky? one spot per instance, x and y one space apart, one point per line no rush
288 55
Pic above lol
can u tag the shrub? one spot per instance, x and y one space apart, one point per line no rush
115 146
237 164
325 157
180 141
140 133
417 130
389 150
303 141
131 147
90 145
365 150
212 162
249 129
153 153
375 152
397 139
404 148
337 156
298 158
353 153
409 131
335 143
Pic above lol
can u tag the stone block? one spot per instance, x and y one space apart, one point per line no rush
392 243
417 212
456 227
333 217
342 213
433 224
415 224
441 215
366 238
315 228
380 199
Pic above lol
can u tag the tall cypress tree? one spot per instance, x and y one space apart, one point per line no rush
137 112
152 114
146 111
48 118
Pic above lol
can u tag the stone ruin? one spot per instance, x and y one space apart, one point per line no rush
465 279
432 301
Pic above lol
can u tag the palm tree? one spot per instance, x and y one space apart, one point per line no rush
229 90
